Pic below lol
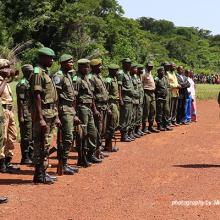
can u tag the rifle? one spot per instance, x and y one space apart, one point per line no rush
59 153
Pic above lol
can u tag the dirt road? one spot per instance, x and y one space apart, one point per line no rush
142 181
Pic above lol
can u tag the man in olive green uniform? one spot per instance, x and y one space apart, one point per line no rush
45 114
135 100
161 92
113 102
67 114
126 90
100 100
24 103
140 71
86 108
149 110
168 97
9 131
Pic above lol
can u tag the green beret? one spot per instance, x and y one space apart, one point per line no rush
126 60
140 66
95 62
160 69
83 61
113 67
150 63
46 51
65 57
27 67
134 65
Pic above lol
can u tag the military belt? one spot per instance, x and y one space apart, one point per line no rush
149 91
7 106
66 102
49 106
114 101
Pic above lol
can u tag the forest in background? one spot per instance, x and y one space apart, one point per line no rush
86 28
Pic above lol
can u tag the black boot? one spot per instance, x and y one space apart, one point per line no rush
10 168
3 168
40 175
152 129
125 137
131 136
109 147
92 158
144 129
136 134
82 158
26 159
160 128
66 169
3 199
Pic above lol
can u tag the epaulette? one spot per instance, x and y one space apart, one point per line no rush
108 79
75 78
90 76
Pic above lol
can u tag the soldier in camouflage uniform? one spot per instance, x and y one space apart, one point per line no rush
45 114
67 113
113 115
135 100
161 92
140 71
24 103
100 100
126 90
86 108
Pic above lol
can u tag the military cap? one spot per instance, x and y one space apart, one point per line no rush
160 68
4 63
27 67
95 62
46 51
126 60
167 63
150 63
139 66
172 64
65 57
113 67
134 65
83 61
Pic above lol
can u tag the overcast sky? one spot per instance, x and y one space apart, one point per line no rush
204 14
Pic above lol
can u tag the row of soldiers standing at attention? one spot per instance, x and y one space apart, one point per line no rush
87 110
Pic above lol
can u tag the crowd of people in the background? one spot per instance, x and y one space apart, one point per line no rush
207 79
88 109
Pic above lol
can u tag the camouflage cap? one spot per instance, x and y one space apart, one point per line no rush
46 51
126 60
150 63
113 67
95 62
27 67
83 61
4 63
140 66
65 57
134 65
160 69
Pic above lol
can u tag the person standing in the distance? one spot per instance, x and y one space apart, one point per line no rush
24 104
149 111
10 132
126 90
67 114
193 94
45 114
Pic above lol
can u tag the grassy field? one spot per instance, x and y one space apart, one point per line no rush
207 91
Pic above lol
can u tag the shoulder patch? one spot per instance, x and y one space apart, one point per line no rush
22 81
56 79
36 70
90 76
75 78
108 80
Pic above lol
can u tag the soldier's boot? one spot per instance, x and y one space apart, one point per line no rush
160 128
40 176
3 168
139 132
10 168
109 147
152 129
131 135
54 178
144 129
26 159
168 128
91 157
3 199
82 159
66 169
125 137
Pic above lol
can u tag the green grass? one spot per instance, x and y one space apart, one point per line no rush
207 91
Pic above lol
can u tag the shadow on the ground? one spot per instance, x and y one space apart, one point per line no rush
197 165
15 182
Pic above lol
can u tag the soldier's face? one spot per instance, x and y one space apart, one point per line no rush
126 66
28 74
161 73
97 69
68 65
46 61
84 69
149 68
133 70
113 72
140 71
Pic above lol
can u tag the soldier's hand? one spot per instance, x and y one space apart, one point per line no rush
97 114
76 121
121 102
43 125
109 112
21 120
58 122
